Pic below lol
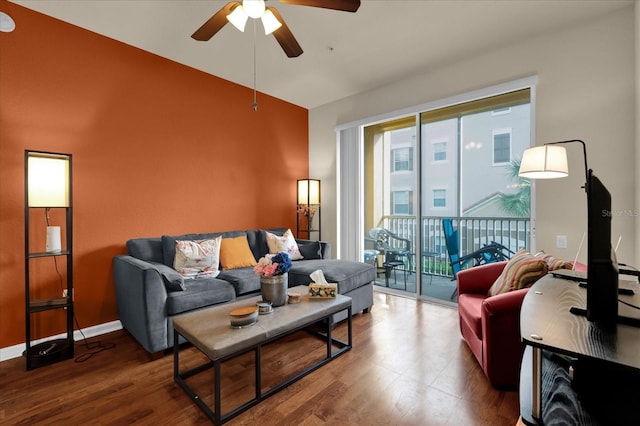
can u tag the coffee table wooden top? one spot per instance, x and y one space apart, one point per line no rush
210 330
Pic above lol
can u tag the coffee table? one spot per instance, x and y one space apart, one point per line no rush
209 330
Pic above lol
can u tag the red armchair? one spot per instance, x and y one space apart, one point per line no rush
491 325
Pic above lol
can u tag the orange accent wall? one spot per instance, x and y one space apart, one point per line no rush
158 148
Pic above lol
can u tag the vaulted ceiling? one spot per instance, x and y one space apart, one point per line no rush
344 53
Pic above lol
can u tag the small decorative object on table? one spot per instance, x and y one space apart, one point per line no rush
320 288
243 317
322 291
274 278
294 297
264 308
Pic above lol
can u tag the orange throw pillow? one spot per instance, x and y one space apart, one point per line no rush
235 253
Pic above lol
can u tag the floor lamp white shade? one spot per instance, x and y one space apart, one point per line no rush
48 180
544 162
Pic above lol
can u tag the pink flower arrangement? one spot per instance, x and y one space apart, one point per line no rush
273 264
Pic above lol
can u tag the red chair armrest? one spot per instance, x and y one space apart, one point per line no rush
479 279
502 345
504 304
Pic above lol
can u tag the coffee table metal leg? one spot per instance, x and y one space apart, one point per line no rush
329 340
350 335
218 396
258 372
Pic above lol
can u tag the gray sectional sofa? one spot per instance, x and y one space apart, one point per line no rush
149 292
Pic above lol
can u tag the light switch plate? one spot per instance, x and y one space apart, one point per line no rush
561 241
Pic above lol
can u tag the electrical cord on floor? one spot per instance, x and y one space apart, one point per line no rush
94 347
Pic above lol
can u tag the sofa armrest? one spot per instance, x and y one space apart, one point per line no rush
141 298
479 279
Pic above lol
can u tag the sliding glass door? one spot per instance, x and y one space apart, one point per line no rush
457 163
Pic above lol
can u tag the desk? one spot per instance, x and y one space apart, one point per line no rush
547 324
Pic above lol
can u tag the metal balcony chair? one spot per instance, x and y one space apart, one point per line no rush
370 253
395 252
489 253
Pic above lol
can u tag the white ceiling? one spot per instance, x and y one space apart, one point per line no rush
344 53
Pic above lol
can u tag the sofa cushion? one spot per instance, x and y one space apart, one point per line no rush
521 271
243 280
470 311
147 249
199 292
347 274
236 253
285 243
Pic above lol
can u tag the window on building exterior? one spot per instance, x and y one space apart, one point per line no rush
501 147
439 198
402 159
401 202
440 151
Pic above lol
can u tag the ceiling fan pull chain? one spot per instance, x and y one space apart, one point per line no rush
255 102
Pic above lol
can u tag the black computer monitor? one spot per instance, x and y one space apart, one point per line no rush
602 267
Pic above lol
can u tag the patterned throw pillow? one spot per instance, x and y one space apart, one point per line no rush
521 271
236 253
197 257
554 262
286 243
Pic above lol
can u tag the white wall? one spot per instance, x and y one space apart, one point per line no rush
586 90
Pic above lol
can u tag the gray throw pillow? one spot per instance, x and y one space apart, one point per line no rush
173 281
310 250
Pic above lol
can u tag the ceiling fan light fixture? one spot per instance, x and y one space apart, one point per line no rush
253 8
270 22
238 18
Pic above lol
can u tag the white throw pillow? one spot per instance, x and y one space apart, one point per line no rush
286 243
198 257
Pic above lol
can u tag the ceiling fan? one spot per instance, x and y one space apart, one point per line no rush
238 12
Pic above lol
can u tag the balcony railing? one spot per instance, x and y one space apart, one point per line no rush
474 232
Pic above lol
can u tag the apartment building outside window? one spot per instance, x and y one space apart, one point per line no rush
440 151
402 159
401 201
439 198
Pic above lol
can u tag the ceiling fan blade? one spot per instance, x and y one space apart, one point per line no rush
344 5
215 23
285 38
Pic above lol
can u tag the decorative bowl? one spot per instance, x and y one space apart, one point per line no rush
243 317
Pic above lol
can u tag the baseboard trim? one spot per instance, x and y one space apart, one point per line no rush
15 351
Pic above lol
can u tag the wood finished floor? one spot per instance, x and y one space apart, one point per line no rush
408 366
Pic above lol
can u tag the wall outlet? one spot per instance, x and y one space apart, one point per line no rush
561 241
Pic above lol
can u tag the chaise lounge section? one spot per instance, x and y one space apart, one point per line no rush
150 292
